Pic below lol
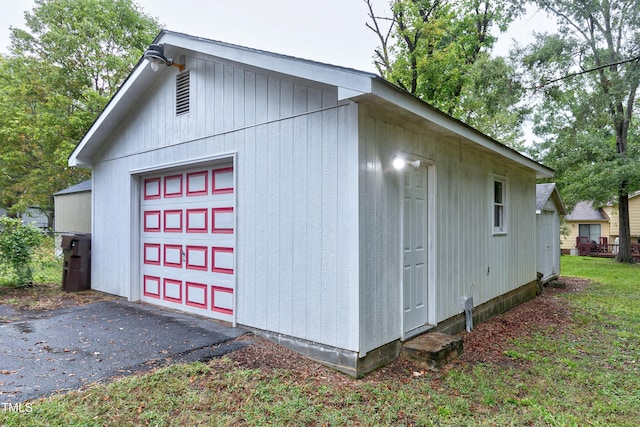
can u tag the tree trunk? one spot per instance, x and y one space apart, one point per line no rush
624 248
621 126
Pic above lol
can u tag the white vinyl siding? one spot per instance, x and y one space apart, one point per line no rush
297 195
468 261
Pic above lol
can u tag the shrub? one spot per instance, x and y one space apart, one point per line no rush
17 243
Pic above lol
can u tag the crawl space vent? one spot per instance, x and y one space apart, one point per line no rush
182 93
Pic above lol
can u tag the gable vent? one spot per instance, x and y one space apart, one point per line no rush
182 93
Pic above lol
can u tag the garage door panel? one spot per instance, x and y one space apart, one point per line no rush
151 253
151 221
172 256
222 220
198 183
222 299
196 295
222 260
222 181
172 290
151 188
188 241
172 221
197 220
173 186
151 286
197 258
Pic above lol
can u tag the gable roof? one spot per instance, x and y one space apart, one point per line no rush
546 191
78 188
584 211
351 85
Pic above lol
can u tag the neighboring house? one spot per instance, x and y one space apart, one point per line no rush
634 219
549 210
585 221
33 215
72 211
601 224
258 189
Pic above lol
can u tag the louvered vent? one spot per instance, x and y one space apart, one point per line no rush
182 93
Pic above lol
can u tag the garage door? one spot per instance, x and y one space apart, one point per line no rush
187 241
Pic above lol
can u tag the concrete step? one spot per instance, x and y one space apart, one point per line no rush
433 349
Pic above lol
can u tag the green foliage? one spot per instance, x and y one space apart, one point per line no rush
47 266
63 68
17 243
440 51
586 117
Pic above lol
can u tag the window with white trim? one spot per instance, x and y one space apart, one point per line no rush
499 205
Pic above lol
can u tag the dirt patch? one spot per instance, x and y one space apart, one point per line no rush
489 340
45 297
486 343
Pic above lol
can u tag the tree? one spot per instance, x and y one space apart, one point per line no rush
439 50
61 72
586 119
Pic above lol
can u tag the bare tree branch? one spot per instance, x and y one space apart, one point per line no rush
383 63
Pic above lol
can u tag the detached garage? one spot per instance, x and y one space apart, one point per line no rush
318 205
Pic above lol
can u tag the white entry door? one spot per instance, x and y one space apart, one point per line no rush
546 245
187 243
415 250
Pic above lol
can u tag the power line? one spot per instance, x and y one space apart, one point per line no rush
625 61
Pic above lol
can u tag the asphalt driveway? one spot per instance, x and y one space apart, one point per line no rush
65 349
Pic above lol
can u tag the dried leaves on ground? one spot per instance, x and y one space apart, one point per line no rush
45 297
486 343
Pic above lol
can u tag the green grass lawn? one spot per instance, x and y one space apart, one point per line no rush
584 374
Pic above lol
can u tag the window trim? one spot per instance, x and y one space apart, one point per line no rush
500 229
590 225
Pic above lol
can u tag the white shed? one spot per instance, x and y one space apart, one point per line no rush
258 189
72 212
549 210
72 207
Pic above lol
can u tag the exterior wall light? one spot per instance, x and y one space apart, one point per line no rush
155 55
399 163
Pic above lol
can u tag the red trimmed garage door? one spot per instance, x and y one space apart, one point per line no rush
187 241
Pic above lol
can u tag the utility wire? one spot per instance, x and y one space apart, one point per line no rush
568 76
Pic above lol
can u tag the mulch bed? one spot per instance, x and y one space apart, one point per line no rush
487 342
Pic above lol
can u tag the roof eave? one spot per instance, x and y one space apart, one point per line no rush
559 201
399 97
349 82
113 113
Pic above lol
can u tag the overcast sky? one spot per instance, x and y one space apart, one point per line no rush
331 31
